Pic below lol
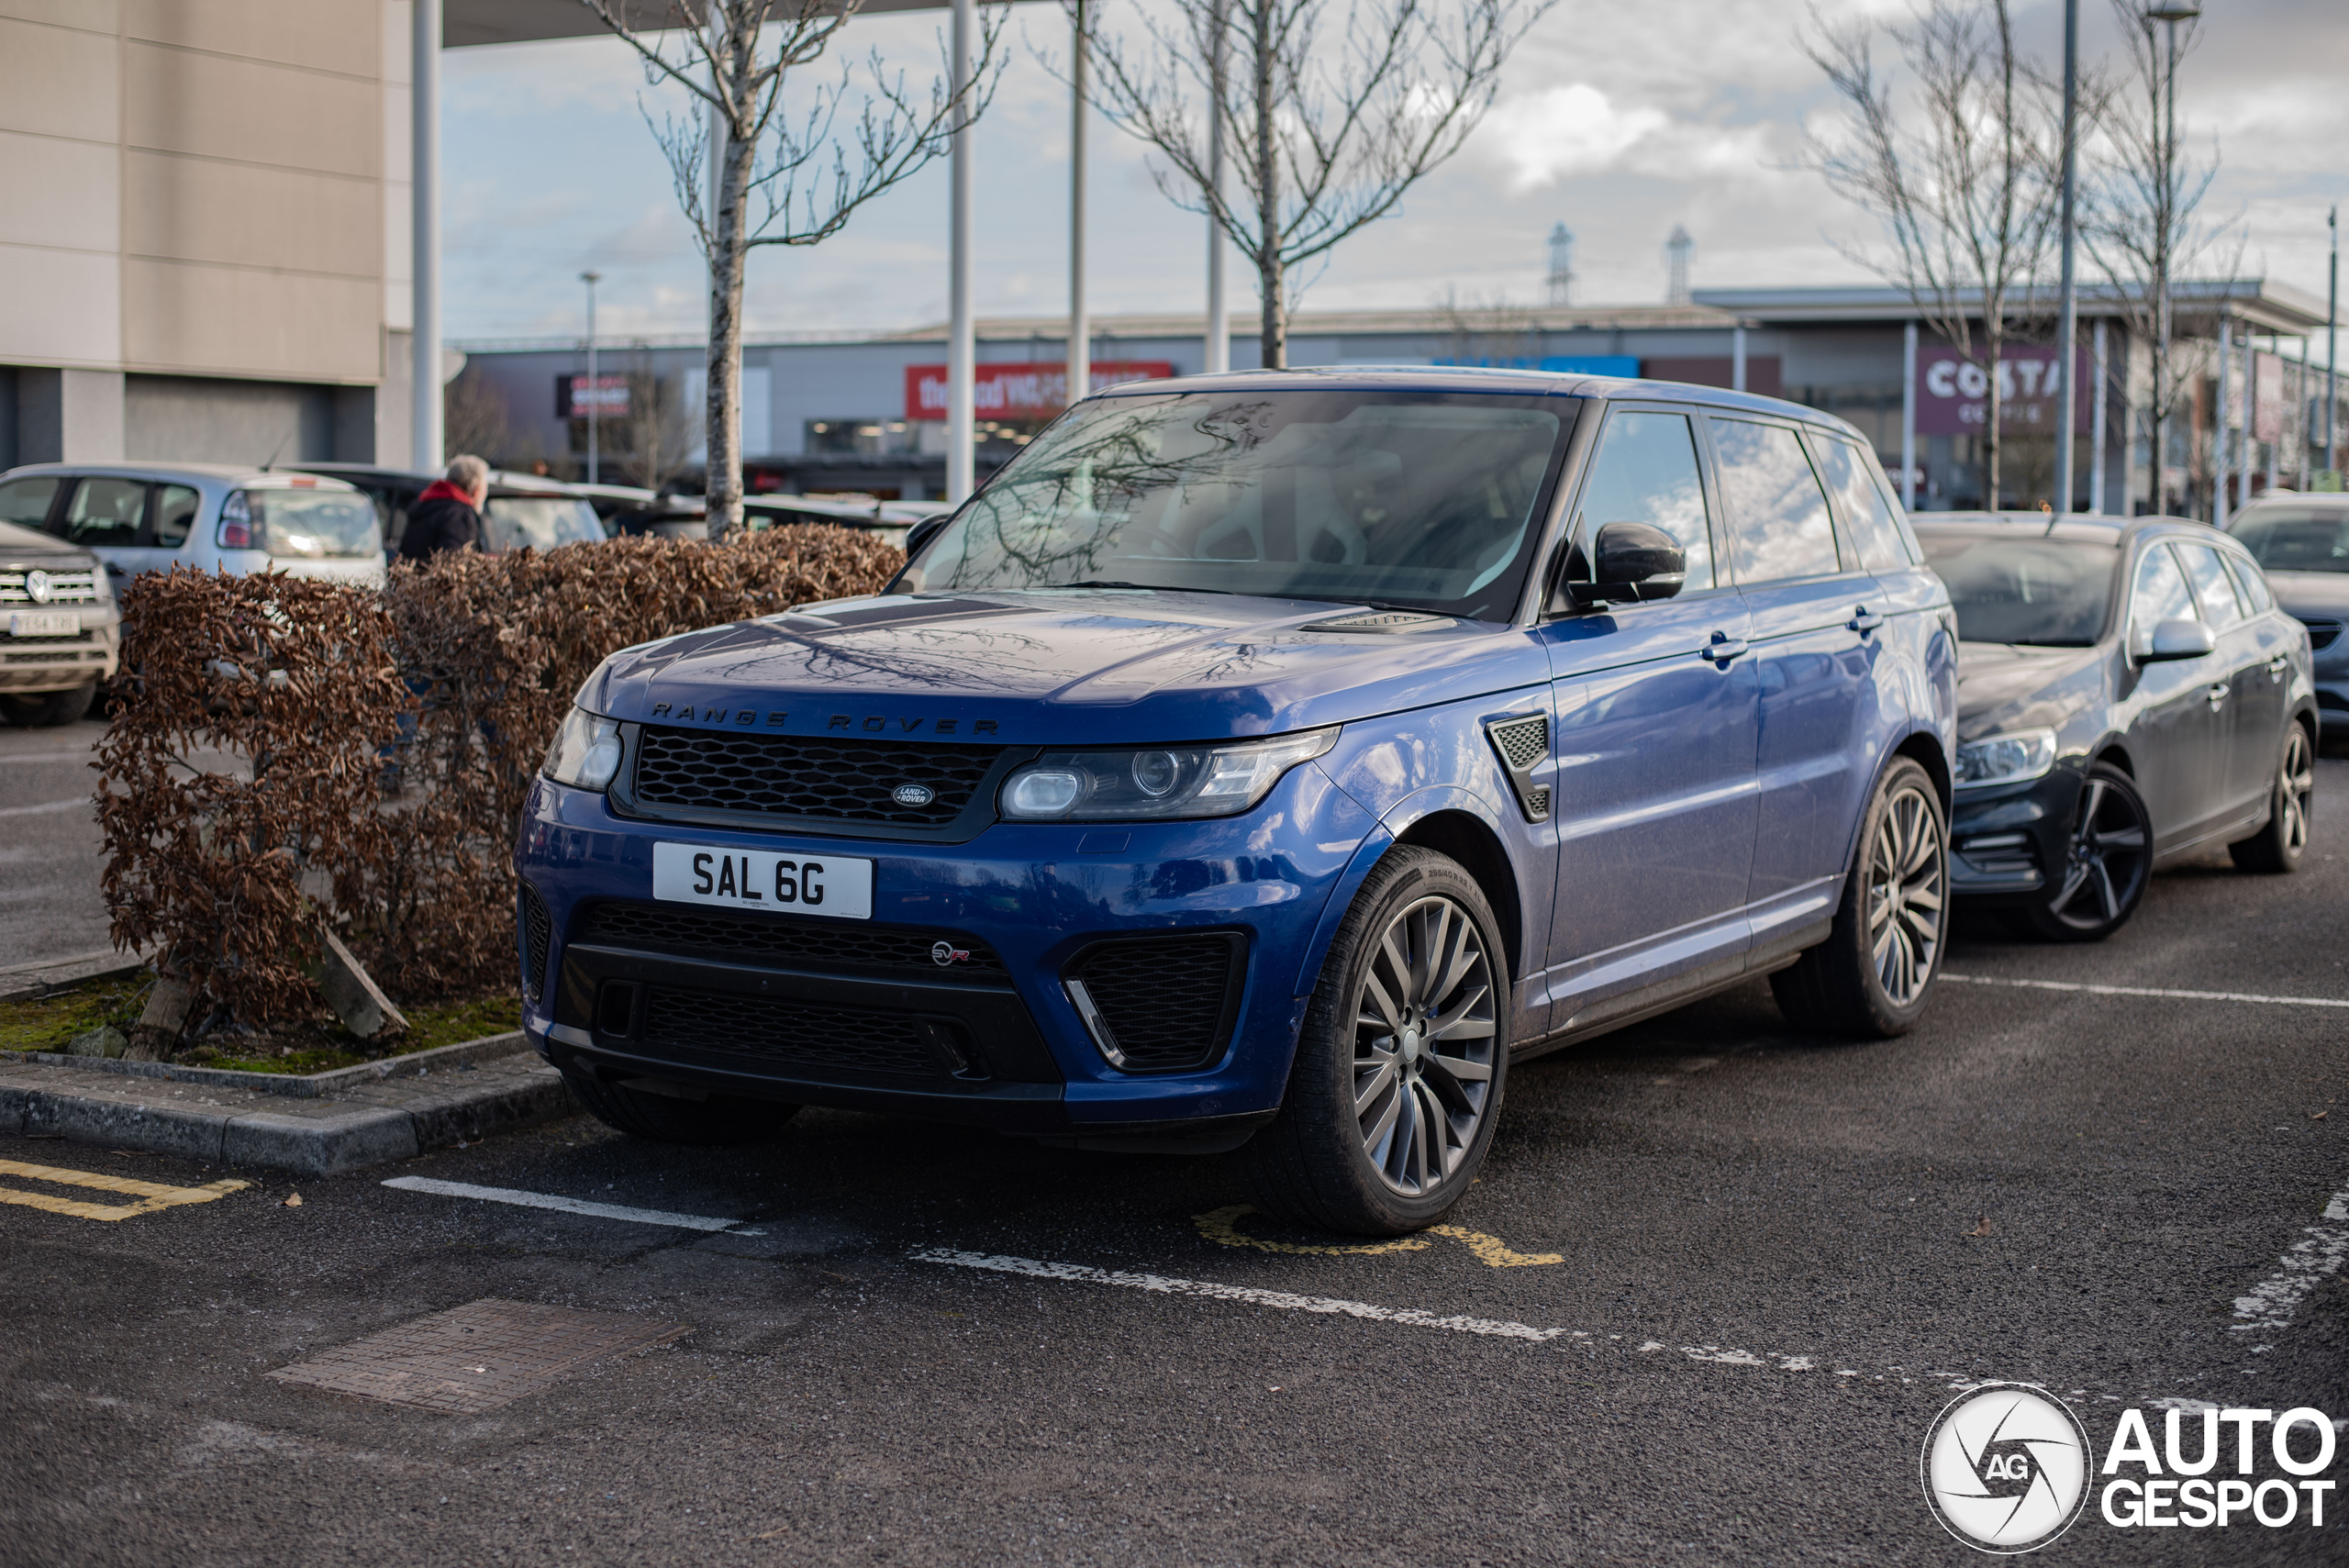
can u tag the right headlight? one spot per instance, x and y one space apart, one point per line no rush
2005 759
1139 782
586 752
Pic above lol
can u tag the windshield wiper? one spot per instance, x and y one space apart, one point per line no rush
1146 588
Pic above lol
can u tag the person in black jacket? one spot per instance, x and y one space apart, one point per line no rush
447 515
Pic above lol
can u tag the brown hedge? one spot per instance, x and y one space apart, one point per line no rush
448 684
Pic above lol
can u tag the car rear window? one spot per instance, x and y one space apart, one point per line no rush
315 525
541 522
2296 539
2040 592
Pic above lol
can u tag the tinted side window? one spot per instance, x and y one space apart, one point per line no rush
2212 586
1778 522
2160 593
1646 473
1869 521
26 500
175 514
106 511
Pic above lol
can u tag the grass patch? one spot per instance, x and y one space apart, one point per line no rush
319 1046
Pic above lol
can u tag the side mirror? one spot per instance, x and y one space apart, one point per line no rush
1634 563
2175 639
922 532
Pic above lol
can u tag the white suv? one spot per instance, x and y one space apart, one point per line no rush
150 516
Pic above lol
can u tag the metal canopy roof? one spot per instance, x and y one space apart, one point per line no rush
466 23
2263 303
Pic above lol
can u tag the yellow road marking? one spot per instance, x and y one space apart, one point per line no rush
1222 1227
152 1195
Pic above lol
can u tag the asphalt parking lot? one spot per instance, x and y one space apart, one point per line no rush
1716 1282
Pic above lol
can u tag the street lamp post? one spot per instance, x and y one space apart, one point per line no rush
595 387
2067 400
2331 337
2165 218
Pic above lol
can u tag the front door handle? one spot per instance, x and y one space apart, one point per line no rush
1865 621
2217 691
1723 647
2277 666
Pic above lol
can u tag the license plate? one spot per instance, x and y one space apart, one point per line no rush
760 879
38 623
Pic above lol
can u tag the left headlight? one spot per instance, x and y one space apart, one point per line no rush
2005 759
1162 782
586 752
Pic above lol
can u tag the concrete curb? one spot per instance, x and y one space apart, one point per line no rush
298 1085
366 1123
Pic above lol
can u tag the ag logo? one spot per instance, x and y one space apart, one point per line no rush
913 794
2006 1468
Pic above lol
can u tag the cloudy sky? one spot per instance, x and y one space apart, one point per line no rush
1619 119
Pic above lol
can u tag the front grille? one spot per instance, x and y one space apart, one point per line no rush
1159 1004
65 587
804 1033
792 943
775 775
537 935
2322 633
82 637
45 656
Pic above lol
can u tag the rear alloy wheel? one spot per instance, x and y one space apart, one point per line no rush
1398 1072
2106 864
715 1121
2278 846
1872 976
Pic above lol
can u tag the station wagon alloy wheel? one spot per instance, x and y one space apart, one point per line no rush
1908 889
1423 1046
2105 869
2294 785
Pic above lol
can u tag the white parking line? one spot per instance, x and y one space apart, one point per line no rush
2149 991
2317 1255
47 807
49 757
564 1205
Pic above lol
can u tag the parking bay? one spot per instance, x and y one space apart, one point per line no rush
1777 1254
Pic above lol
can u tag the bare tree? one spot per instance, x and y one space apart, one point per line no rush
1966 192
1325 133
654 439
473 412
2141 220
1497 332
806 172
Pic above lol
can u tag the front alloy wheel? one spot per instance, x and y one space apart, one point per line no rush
2106 864
1402 1061
1423 1046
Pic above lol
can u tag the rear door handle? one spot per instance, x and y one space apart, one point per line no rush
1865 621
2277 666
1723 647
2217 691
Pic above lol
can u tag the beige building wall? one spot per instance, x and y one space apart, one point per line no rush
201 188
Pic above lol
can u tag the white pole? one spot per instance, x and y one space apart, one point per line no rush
2219 439
2096 428
961 346
424 110
1737 358
1080 328
2068 401
2250 418
594 386
2300 404
1218 358
1909 417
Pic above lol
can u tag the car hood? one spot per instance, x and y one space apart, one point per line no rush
2311 593
2003 686
21 544
1063 667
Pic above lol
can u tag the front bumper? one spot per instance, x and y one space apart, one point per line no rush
31 665
1000 1043
2007 839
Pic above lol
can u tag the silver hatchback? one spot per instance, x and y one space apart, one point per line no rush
150 516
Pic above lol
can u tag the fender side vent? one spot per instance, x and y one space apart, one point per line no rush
538 934
1523 743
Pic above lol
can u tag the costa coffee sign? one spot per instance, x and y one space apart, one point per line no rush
1019 391
1954 394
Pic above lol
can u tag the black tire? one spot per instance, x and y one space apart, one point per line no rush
1378 1136
2110 862
2277 847
45 709
1874 974
665 1118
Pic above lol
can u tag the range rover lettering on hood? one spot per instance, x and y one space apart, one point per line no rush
870 723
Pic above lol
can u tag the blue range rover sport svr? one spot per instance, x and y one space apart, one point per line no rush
1267 761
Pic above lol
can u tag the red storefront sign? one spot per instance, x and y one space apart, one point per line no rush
575 398
1019 391
1952 394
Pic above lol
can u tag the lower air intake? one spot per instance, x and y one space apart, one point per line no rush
1159 1003
537 935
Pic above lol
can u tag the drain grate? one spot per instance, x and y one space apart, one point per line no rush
476 1357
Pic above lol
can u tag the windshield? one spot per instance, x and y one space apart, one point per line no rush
1415 498
314 525
541 522
2296 539
2044 593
